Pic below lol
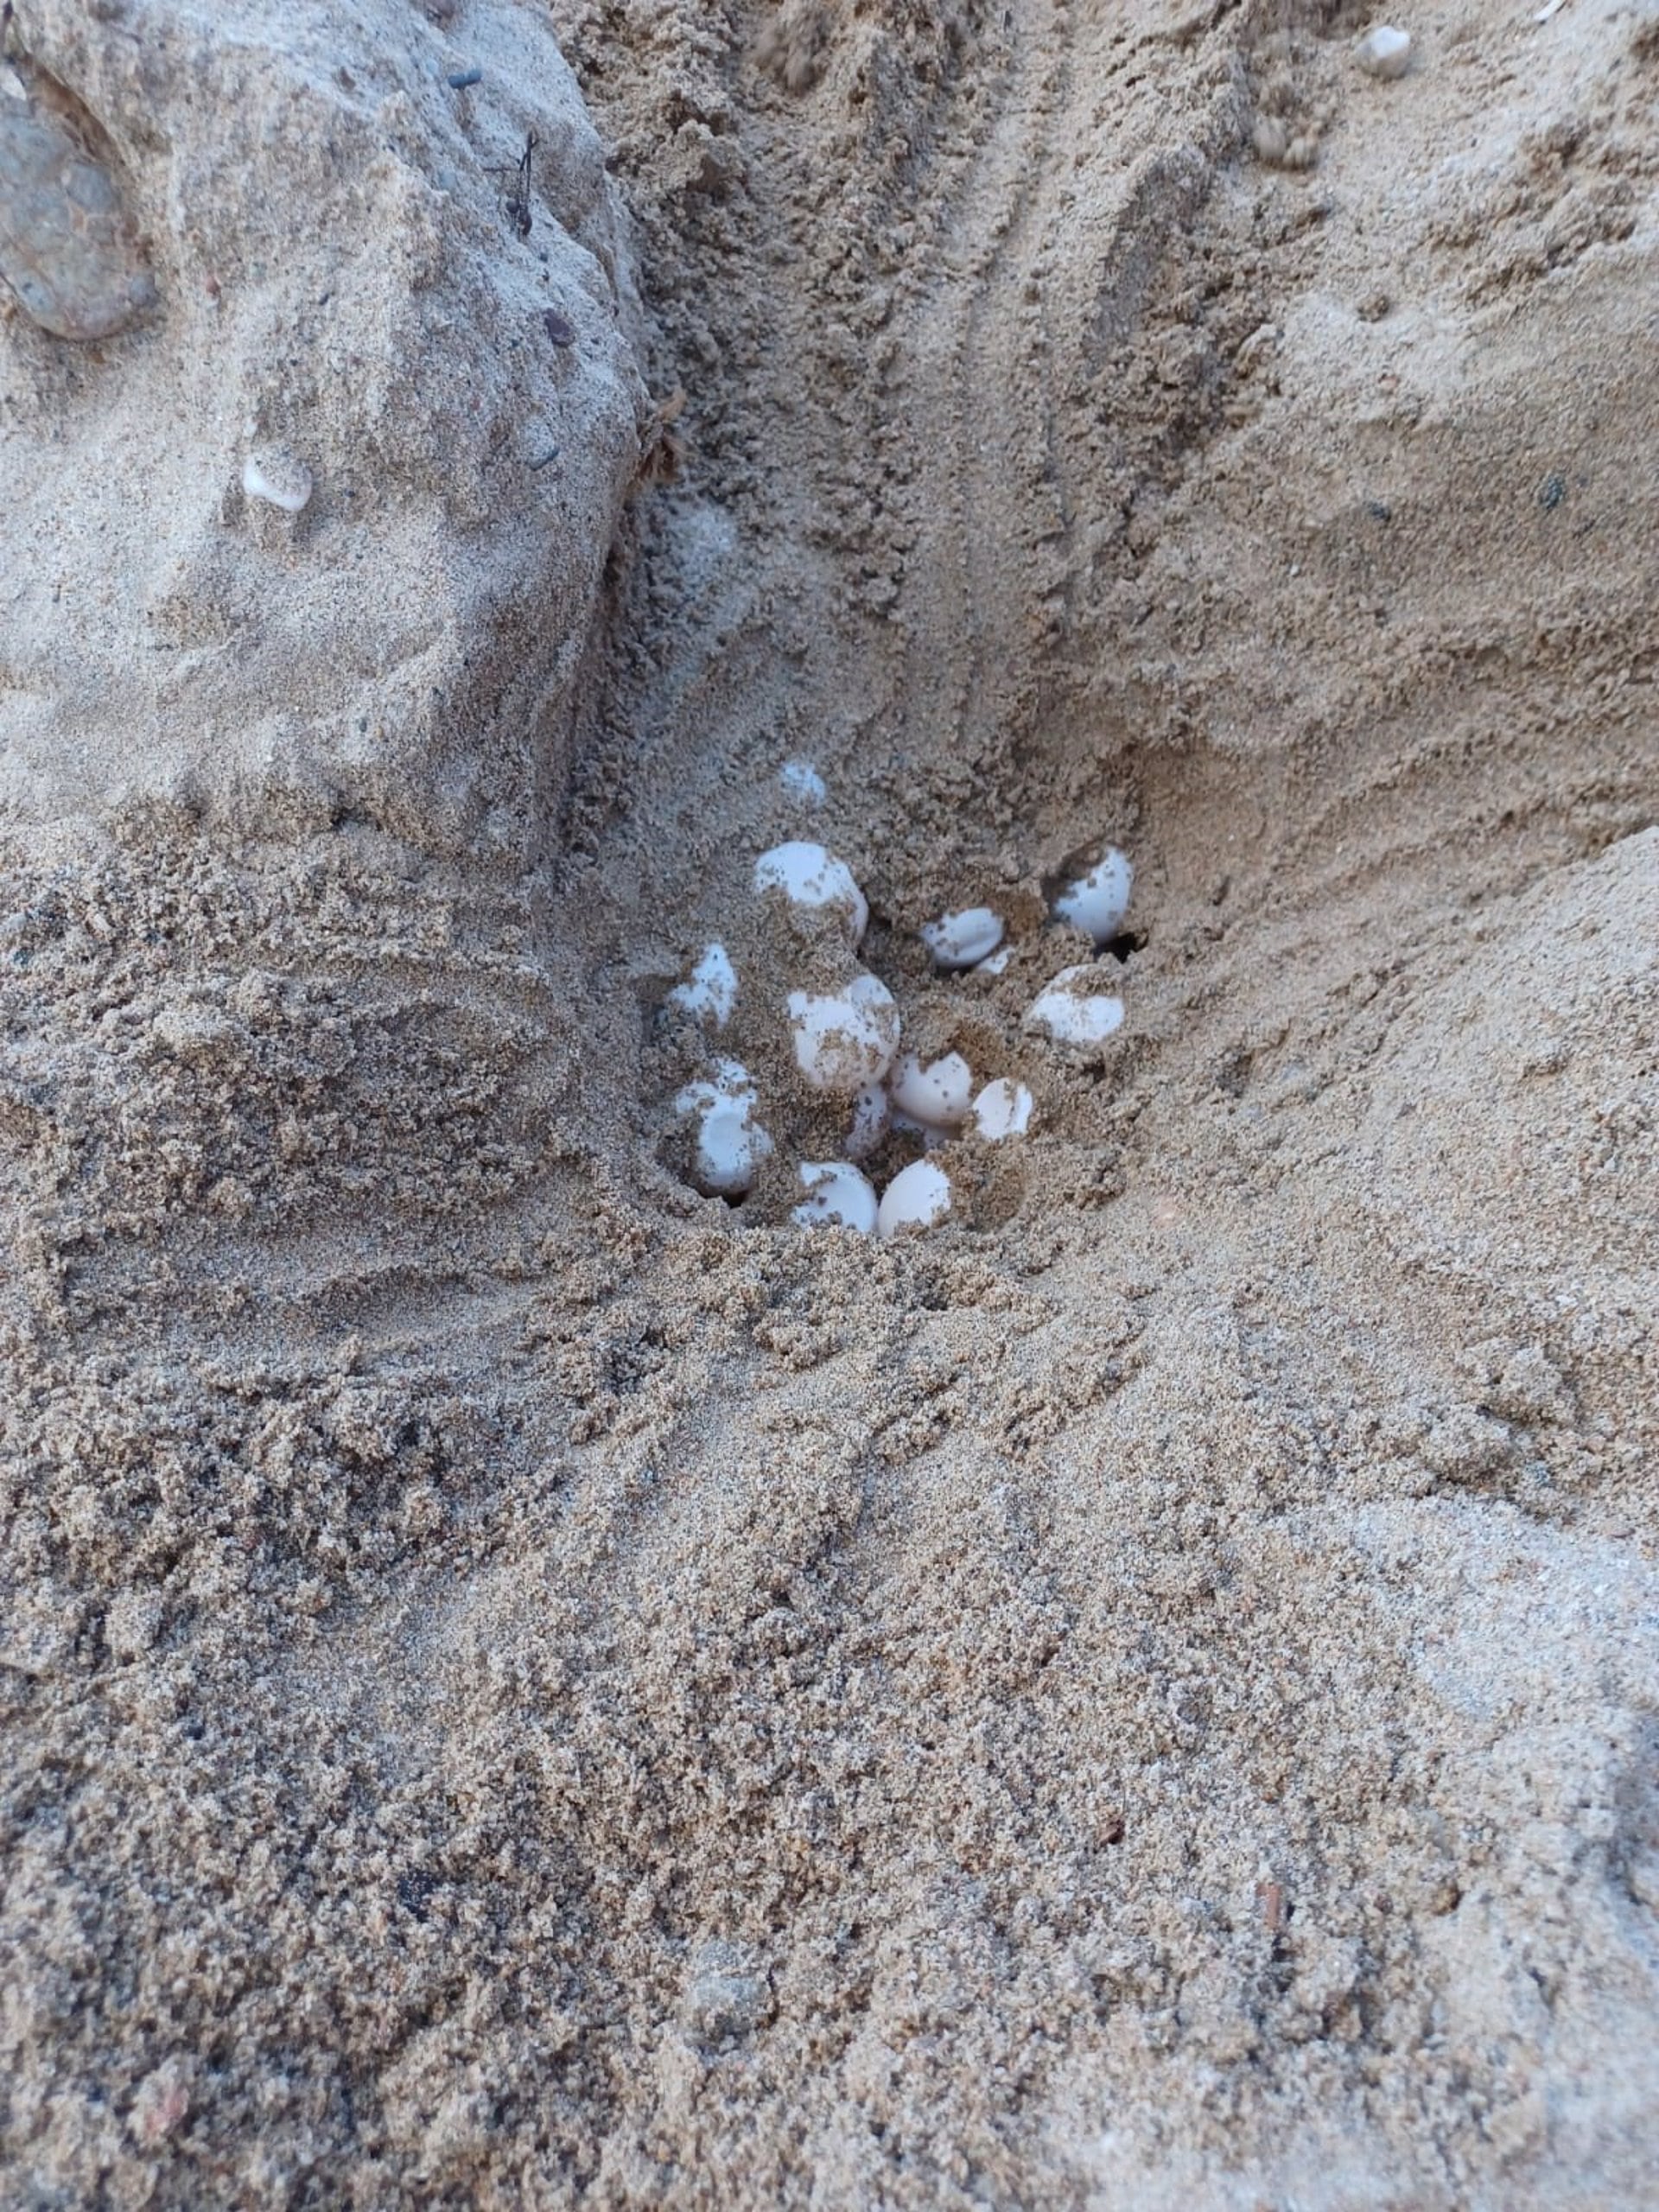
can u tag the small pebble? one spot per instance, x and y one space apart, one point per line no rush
936 1096
1002 1110
274 475
963 940
809 876
1096 903
559 329
918 1195
731 1144
837 1194
712 988
846 1038
462 80
1383 52
1074 1013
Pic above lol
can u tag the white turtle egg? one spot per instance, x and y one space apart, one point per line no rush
1383 51
1073 1011
845 1039
712 988
802 781
809 876
836 1194
919 1195
936 1095
275 475
731 1144
871 1115
963 940
1096 903
1002 1110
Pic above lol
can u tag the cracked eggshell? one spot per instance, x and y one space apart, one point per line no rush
936 1095
963 939
811 878
731 1144
1002 1110
1074 1011
837 1196
918 1195
278 478
711 988
847 1038
1096 903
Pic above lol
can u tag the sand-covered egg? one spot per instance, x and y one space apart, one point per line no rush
837 1196
278 478
963 939
1002 1110
812 878
1383 52
1096 903
731 1144
710 992
846 1038
1074 1010
918 1195
871 1117
936 1096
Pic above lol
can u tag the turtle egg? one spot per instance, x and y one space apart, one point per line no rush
802 781
870 1117
919 1195
1096 903
273 474
963 940
1002 1110
837 1194
731 1144
712 988
809 876
1383 51
1073 1013
845 1039
936 1095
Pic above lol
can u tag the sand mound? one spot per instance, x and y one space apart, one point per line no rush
527 1685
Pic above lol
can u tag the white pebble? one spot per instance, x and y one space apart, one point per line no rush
918 1194
836 1194
275 475
870 1119
712 988
1383 51
936 1095
800 780
731 1144
963 940
1002 1110
809 876
1096 903
845 1039
1072 1012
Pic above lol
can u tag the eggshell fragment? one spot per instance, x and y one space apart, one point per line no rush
1096 903
1074 1011
275 476
845 1039
1002 1110
802 781
731 1144
837 1195
918 1195
712 988
963 940
936 1095
808 876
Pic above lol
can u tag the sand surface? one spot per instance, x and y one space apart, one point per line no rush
526 1686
